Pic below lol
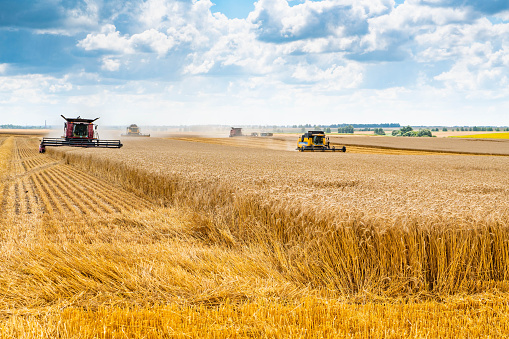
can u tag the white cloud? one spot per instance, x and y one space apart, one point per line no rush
109 39
3 68
479 67
452 41
76 18
149 41
334 78
110 64
277 21
32 88
153 40
406 23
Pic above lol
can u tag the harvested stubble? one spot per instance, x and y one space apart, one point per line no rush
308 318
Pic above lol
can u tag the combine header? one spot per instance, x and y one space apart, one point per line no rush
134 131
79 133
316 141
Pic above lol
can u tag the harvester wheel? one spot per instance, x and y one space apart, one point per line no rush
343 149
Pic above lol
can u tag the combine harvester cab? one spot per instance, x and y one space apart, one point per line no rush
79 133
134 131
316 141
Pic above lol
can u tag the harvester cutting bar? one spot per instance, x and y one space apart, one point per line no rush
321 149
81 143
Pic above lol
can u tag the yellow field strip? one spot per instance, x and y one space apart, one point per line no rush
484 136
5 155
9 202
5 159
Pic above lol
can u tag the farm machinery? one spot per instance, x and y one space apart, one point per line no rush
79 133
236 132
316 141
134 131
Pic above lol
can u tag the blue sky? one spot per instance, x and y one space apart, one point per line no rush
239 9
172 62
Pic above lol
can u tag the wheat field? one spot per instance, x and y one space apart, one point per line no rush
179 238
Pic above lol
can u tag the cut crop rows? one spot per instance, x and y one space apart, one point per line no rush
39 184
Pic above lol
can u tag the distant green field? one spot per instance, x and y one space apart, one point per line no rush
485 136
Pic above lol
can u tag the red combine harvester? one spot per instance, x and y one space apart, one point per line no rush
79 133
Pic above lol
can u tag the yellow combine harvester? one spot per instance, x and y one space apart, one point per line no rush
316 141
134 131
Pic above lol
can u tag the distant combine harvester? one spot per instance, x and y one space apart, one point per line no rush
236 132
134 131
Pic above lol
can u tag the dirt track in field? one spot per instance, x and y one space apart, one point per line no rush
39 184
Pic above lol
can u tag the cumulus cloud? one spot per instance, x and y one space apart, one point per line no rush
277 21
393 36
110 65
452 41
110 40
481 66
32 88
